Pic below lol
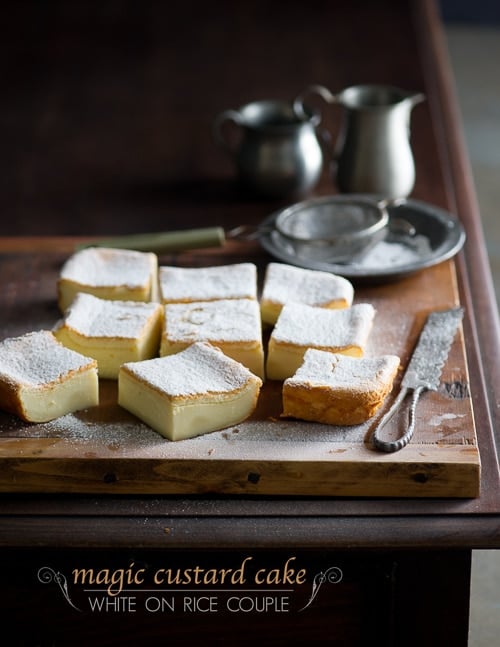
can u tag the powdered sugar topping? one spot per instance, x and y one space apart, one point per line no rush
236 281
95 317
322 368
106 267
387 254
37 358
319 327
286 283
199 369
230 320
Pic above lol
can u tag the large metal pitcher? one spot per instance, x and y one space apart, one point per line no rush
373 152
277 152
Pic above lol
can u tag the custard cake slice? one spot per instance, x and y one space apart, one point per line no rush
287 283
41 380
190 393
112 332
300 327
109 273
338 389
187 284
233 325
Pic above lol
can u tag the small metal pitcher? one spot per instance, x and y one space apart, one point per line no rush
278 153
373 152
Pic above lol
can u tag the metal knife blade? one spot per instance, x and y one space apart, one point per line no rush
423 371
431 352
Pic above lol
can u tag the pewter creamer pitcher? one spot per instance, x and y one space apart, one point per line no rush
277 153
373 152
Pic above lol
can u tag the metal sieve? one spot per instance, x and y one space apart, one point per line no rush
329 229
332 228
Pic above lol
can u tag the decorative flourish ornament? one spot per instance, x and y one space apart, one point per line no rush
332 575
46 575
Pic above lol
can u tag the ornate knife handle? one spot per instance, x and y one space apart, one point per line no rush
389 446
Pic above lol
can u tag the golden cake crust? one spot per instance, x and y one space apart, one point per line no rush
337 389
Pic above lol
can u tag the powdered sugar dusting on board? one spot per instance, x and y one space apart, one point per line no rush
127 436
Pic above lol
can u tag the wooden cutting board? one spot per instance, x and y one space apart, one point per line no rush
107 450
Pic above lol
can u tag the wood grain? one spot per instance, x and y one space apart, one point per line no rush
107 450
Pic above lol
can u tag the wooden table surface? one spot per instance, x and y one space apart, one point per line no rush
106 129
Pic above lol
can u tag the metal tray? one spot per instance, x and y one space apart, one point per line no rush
437 236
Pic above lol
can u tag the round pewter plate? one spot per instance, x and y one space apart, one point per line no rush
437 236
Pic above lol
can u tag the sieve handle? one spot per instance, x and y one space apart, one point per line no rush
249 232
164 242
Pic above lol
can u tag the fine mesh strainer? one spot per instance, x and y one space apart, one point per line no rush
329 229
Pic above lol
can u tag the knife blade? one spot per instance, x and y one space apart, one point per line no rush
423 372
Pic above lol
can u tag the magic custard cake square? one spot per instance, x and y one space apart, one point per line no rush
41 380
109 273
193 392
112 332
300 327
287 283
187 284
338 389
233 325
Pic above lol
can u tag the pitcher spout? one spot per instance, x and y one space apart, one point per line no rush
414 98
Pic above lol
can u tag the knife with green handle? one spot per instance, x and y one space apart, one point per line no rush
423 372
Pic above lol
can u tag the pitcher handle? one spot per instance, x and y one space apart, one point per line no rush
227 115
321 90
326 141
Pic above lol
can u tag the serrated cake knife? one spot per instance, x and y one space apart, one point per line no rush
423 372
